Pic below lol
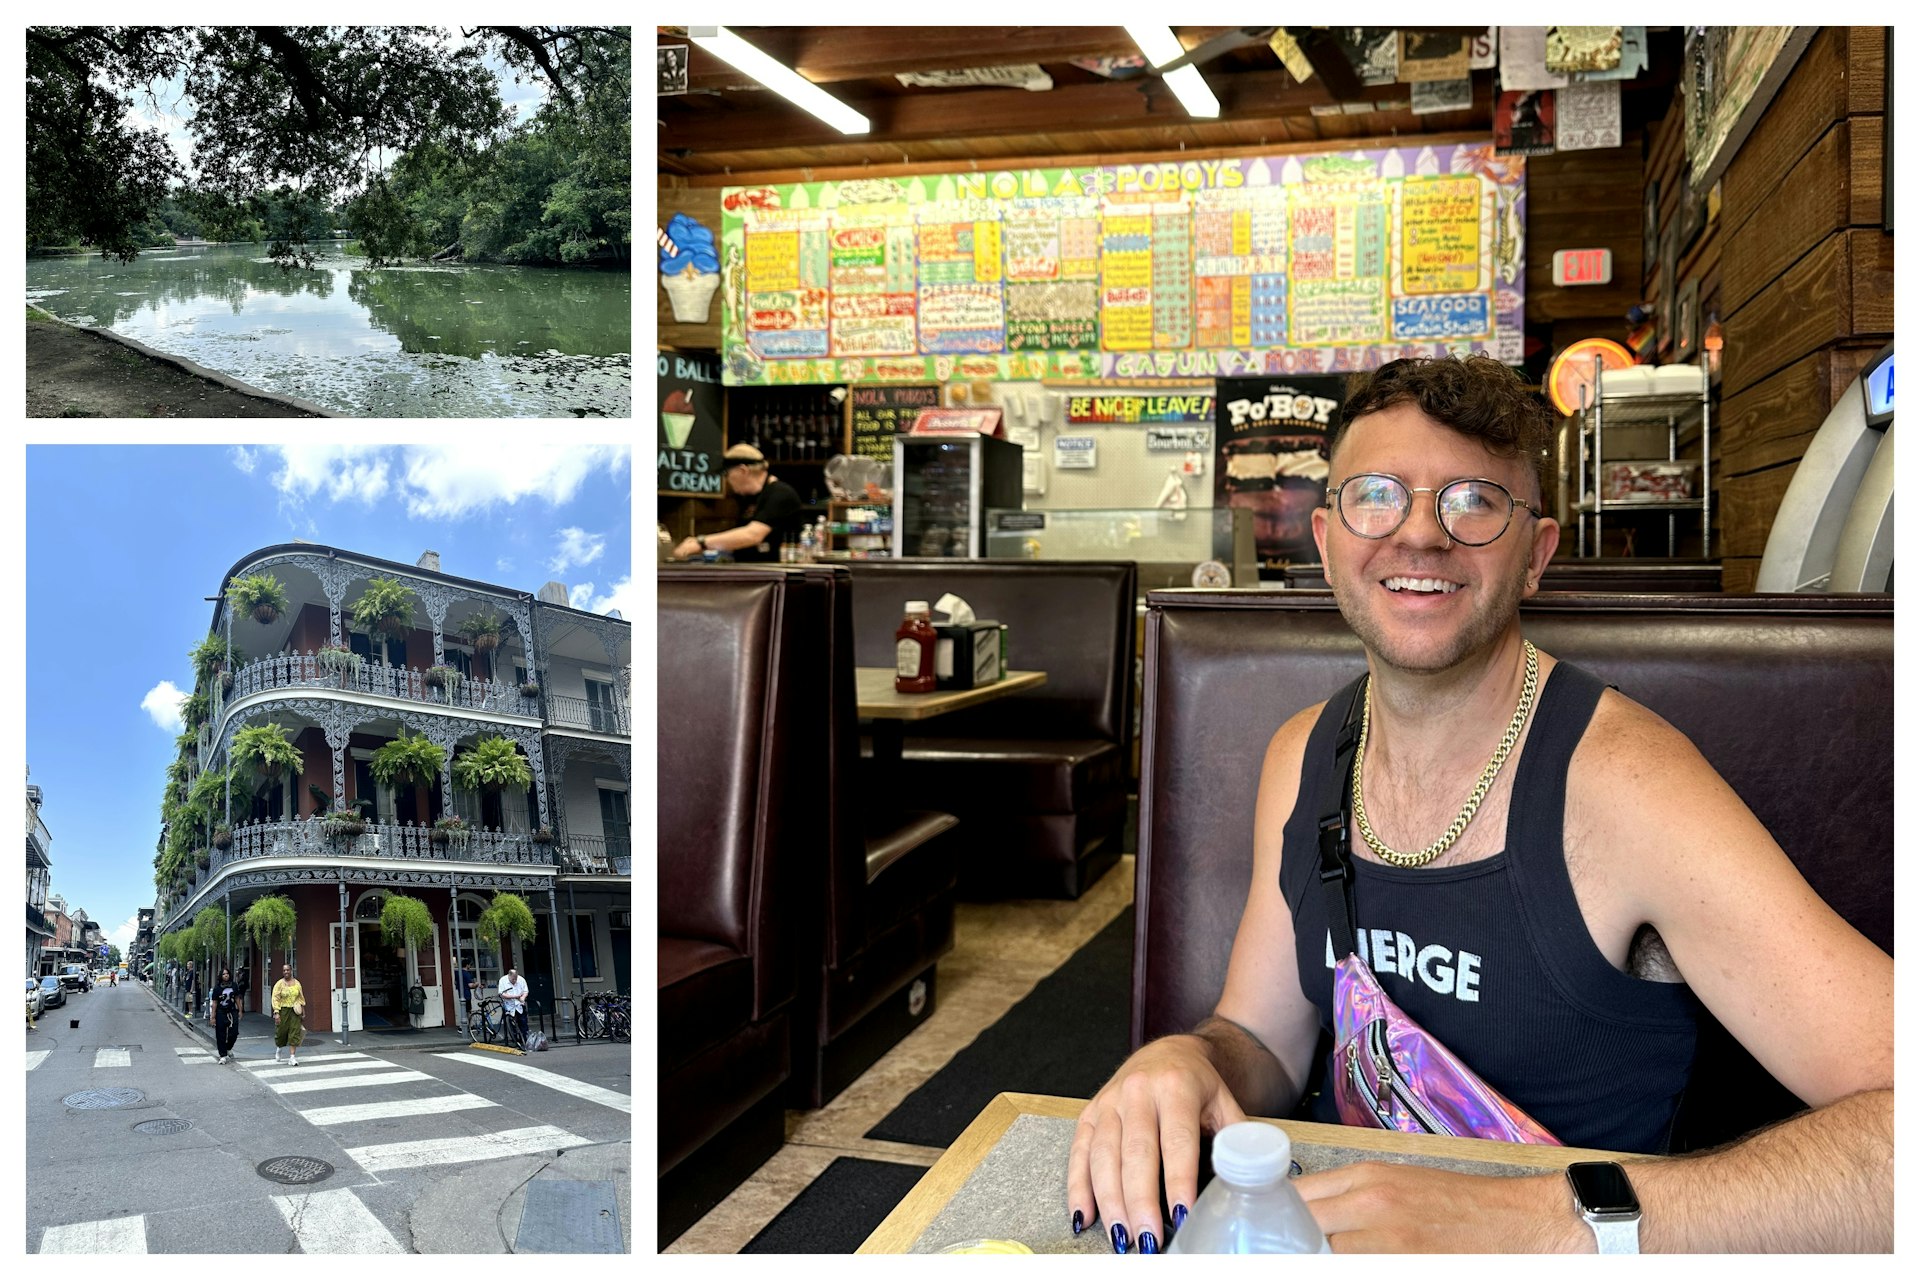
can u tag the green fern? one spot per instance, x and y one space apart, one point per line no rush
267 748
492 764
260 596
384 606
408 759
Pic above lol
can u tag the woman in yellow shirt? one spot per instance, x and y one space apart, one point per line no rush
289 1004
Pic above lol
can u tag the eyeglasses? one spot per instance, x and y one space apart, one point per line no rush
1473 511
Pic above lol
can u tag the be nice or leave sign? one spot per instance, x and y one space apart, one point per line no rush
1582 266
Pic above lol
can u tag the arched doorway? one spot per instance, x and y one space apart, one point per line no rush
388 971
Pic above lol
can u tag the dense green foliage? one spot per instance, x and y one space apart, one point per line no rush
397 133
258 591
508 917
407 759
269 921
492 764
267 748
405 920
385 606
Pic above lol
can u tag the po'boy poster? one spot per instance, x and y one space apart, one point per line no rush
1271 434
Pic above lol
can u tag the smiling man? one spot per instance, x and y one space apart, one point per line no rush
1546 876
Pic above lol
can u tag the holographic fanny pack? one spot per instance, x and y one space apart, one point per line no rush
1389 1072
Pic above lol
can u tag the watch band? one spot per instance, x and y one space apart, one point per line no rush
1618 1235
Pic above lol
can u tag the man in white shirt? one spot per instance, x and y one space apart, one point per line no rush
513 1003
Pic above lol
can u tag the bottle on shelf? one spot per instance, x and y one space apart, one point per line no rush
1250 1206
913 649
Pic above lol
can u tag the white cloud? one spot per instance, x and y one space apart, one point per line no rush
623 595
163 703
577 547
244 460
580 596
122 935
441 481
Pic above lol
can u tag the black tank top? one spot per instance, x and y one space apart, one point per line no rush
1494 958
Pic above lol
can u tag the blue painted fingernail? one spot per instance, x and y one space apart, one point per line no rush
1079 1222
1179 1216
1148 1244
1119 1238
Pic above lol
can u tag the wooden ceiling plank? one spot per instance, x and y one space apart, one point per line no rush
828 54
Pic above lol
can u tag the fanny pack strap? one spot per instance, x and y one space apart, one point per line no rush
1336 817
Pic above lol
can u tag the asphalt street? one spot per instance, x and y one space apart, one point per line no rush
441 1152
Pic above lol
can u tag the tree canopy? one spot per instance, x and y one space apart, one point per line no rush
291 123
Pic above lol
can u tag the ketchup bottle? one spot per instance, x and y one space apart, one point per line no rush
913 650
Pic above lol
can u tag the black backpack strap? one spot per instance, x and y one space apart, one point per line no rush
1336 817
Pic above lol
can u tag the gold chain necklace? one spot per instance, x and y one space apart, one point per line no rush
1394 857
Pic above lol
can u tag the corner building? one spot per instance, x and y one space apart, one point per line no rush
563 845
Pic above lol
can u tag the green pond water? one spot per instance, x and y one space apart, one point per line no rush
419 340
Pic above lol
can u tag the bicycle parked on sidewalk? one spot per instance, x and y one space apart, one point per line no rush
486 1023
606 1016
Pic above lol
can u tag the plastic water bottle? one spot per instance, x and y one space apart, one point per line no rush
1250 1206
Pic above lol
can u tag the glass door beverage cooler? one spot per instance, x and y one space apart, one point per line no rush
942 487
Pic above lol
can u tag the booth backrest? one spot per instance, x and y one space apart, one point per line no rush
738 791
1789 697
830 592
1073 619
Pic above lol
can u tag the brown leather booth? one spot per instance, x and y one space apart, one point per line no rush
887 890
739 815
1789 697
1038 779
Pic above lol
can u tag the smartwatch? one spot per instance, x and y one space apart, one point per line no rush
1605 1201
702 540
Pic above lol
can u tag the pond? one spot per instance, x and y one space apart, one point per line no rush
414 341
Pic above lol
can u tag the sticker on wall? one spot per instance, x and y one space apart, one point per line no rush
1074 453
689 268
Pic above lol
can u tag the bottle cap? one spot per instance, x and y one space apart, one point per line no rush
1252 1154
918 606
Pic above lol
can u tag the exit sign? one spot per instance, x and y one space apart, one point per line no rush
1582 266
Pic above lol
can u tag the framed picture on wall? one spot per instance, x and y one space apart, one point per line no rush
1669 266
1650 233
1686 320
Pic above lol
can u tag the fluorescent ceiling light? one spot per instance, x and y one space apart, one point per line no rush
1162 46
783 80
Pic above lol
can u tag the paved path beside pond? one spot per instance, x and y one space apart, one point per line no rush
76 373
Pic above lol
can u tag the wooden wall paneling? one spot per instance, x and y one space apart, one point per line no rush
1870 264
1804 309
1866 70
1811 101
1802 210
1772 421
1739 573
1584 200
1747 506
1866 169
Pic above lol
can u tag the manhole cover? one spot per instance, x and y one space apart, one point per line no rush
101 1099
163 1126
294 1170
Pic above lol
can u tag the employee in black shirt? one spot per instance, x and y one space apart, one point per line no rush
772 509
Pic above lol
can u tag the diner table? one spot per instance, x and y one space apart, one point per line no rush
889 711
1005 1177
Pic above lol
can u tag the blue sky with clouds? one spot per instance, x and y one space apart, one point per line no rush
124 543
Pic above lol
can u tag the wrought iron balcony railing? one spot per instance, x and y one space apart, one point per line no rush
309 671
564 712
597 855
315 838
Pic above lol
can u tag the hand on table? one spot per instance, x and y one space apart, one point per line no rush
1373 1207
1153 1113
686 550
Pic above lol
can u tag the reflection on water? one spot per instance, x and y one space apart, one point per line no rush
408 341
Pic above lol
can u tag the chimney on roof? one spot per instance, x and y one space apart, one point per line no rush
429 560
554 593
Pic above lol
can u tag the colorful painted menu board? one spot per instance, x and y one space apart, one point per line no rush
881 413
1281 265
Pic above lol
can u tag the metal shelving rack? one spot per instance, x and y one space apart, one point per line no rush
1676 410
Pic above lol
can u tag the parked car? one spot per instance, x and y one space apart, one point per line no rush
35 1000
75 978
53 993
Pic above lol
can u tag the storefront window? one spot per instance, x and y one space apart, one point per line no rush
586 963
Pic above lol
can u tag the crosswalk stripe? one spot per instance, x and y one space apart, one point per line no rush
400 1107
319 1066
112 1058
335 1222
551 1079
36 1056
488 1146
344 1082
109 1235
194 1052
325 1059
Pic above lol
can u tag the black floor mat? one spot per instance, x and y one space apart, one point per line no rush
840 1209
1066 1038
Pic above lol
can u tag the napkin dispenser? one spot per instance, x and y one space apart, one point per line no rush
966 652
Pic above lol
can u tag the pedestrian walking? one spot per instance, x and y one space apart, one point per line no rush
289 1006
190 987
226 1014
244 980
513 1002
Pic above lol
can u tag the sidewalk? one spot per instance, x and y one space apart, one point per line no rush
256 1035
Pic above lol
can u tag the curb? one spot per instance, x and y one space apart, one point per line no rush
196 370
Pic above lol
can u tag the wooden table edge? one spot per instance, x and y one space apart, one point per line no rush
944 701
911 1217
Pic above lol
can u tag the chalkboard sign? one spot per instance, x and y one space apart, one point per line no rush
690 435
881 413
